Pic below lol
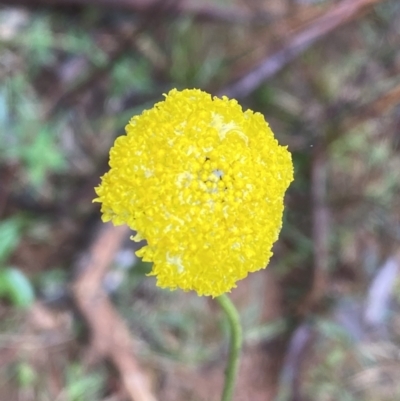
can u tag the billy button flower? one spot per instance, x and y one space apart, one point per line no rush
203 183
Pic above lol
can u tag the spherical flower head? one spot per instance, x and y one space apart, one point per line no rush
203 183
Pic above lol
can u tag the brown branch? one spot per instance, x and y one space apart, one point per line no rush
374 109
340 14
196 10
289 386
127 38
110 337
352 117
72 94
321 227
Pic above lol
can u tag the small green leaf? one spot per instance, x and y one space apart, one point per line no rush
42 157
15 286
26 375
10 231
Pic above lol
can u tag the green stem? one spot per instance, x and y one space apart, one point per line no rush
235 345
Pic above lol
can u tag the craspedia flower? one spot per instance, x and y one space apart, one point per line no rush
203 183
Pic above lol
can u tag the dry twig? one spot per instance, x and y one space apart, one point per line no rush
340 14
353 117
374 109
110 338
321 225
196 10
126 41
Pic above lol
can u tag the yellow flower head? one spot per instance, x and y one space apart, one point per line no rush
203 182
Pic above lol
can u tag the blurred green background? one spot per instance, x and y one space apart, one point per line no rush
321 323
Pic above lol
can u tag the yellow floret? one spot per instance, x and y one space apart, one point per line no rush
203 182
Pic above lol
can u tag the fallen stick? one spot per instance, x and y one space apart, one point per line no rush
196 10
110 336
340 14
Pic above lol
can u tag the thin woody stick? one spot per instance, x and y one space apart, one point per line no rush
340 14
110 337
